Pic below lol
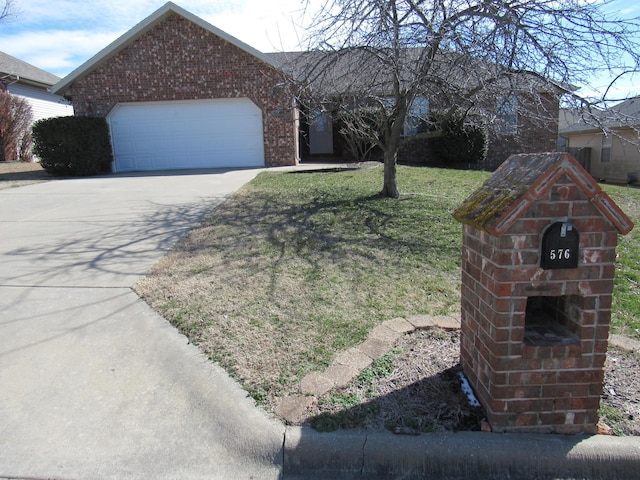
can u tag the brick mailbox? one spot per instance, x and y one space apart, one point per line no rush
538 263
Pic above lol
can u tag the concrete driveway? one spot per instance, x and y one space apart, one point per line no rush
93 383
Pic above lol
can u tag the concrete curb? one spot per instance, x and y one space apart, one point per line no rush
464 455
347 454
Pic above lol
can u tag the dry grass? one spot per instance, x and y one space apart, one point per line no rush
295 268
19 174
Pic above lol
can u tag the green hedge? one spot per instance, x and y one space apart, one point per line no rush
461 143
73 146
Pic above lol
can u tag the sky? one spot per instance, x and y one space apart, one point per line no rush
60 35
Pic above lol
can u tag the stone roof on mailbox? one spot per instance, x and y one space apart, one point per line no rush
523 179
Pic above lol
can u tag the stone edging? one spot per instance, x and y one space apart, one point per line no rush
348 364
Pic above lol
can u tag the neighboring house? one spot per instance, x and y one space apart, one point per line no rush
179 93
24 80
607 143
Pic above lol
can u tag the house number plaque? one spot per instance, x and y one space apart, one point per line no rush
560 246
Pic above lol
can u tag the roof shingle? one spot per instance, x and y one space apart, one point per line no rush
15 67
523 179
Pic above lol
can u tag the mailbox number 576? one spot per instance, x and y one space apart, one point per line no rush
559 254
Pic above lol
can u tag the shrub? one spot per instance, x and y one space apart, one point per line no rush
358 129
76 146
461 143
15 128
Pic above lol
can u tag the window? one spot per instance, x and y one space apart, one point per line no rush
320 120
418 112
507 115
605 152
563 144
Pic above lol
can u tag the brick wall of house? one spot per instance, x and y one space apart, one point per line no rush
537 130
523 386
179 60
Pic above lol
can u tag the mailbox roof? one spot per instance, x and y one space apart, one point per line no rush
522 180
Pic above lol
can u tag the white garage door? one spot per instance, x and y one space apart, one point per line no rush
186 134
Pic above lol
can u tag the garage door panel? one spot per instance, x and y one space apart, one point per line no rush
176 135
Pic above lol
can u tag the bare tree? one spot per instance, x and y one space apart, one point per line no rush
461 55
15 128
7 9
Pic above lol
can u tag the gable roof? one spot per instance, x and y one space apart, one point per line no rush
362 69
140 29
622 115
523 179
15 70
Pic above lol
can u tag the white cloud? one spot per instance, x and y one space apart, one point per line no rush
59 35
57 51
268 26
624 87
266 33
79 13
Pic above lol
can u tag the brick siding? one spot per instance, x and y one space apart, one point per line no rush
179 60
537 132
525 381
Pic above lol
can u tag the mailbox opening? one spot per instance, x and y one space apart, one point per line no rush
551 321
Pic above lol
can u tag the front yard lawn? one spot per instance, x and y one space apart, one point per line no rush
625 316
298 266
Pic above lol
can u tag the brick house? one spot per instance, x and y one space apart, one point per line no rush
532 126
535 127
521 111
179 93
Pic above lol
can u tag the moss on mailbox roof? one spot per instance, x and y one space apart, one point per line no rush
520 181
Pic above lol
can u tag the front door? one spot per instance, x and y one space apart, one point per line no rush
320 133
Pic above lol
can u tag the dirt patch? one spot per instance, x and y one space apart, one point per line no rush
416 388
18 174
620 406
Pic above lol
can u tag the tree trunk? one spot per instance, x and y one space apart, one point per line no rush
390 187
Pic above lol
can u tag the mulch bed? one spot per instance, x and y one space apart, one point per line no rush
422 393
